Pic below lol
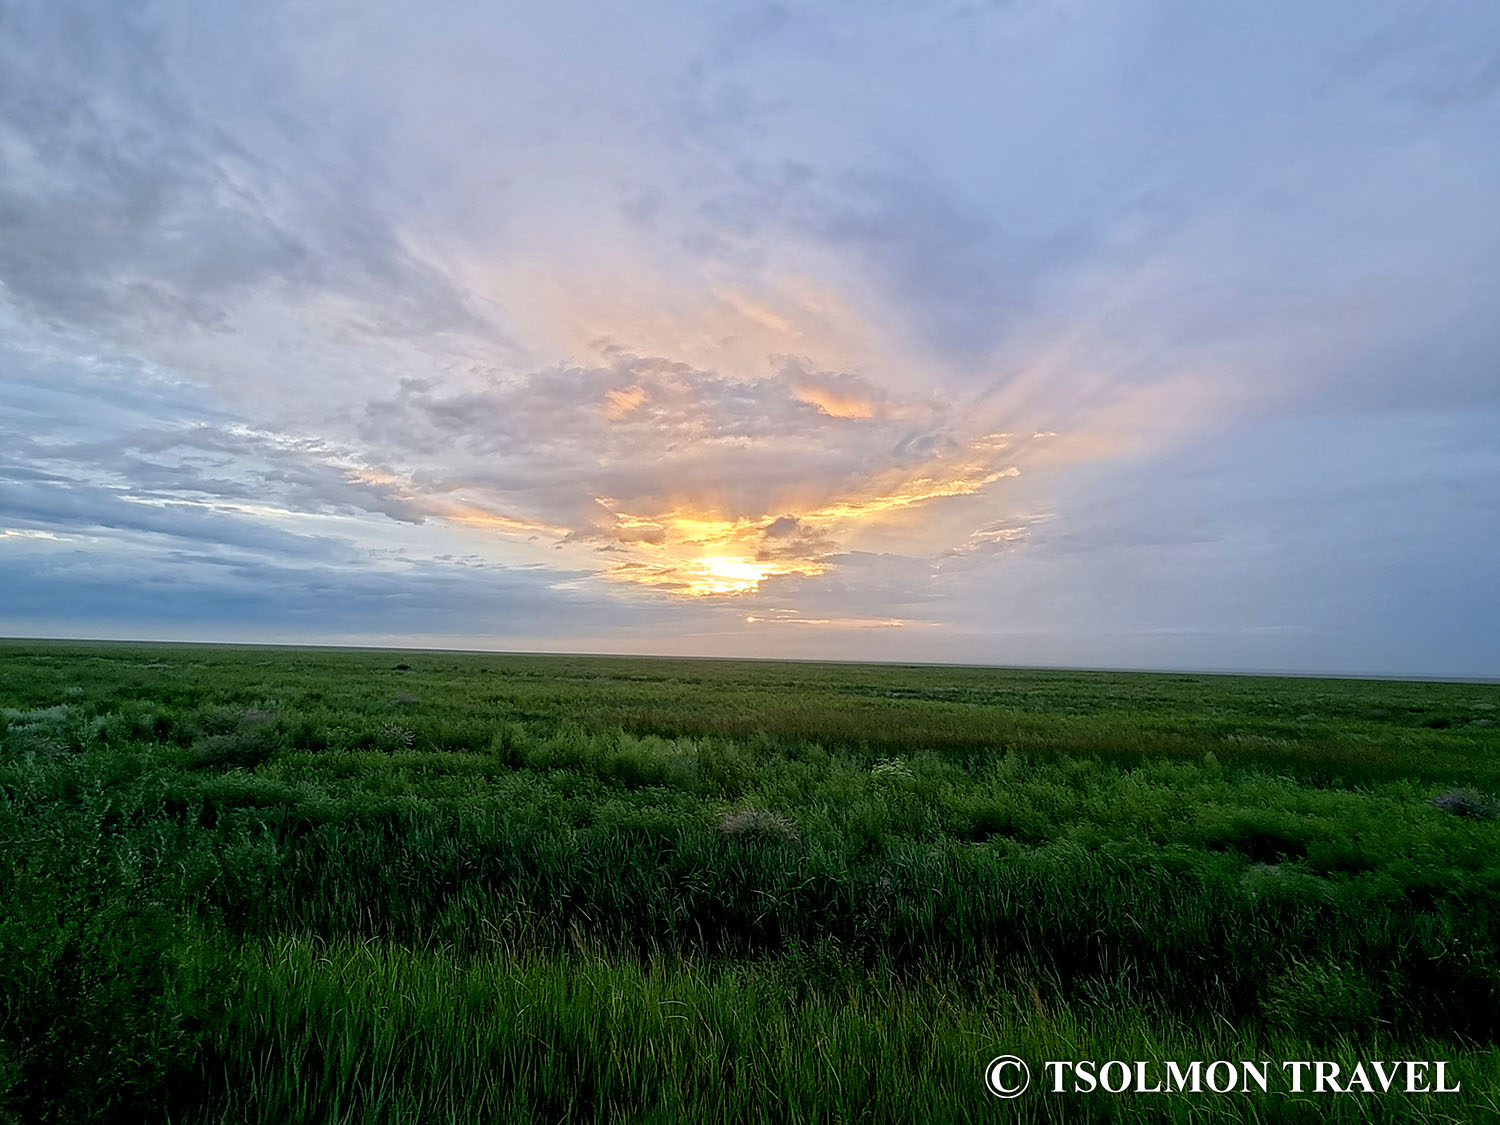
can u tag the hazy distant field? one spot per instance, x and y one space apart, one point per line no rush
314 885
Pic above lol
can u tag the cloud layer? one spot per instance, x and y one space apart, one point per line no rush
1155 336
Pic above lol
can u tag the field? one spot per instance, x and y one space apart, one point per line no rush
300 885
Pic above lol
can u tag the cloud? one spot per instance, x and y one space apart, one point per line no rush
1087 337
130 206
700 465
203 597
153 456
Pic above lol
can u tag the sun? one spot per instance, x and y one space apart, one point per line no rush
727 574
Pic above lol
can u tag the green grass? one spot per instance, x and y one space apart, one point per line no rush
347 886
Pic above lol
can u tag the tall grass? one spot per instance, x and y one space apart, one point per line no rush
301 886
359 1032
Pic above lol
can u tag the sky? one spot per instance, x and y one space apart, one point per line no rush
1041 332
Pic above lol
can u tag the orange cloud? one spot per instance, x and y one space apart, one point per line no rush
700 484
834 404
836 622
620 401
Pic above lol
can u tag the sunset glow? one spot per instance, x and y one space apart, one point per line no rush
737 329
720 575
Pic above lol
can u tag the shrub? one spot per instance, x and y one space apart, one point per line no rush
758 824
248 743
393 736
43 730
1465 802
891 769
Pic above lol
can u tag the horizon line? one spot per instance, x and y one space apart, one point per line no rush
1075 668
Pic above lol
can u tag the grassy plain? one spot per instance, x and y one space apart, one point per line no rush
298 885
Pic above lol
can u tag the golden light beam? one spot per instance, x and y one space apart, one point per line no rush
838 622
700 554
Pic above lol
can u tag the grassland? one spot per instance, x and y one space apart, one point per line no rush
281 885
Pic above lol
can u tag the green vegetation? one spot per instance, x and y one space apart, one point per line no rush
280 885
